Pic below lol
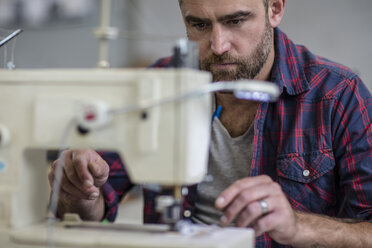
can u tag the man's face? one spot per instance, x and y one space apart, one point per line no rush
234 36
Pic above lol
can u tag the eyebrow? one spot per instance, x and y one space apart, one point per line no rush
190 19
238 14
235 15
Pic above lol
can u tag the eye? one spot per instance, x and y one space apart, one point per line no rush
199 25
235 21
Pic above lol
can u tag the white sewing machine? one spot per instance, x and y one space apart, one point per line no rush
166 144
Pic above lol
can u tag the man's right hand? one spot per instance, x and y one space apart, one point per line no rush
84 172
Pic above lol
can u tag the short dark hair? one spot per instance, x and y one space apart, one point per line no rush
265 2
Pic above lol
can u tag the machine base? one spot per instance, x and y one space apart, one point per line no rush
79 237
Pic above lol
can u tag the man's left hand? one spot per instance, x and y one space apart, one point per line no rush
260 203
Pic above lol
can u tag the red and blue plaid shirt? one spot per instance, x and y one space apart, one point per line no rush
315 141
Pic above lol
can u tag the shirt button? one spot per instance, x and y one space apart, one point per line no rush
306 173
187 213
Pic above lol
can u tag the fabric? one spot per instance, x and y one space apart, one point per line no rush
315 141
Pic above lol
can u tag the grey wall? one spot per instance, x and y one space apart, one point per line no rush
337 29
70 44
147 31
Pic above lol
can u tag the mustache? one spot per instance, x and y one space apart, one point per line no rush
220 59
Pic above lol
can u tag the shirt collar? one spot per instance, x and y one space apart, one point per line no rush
287 69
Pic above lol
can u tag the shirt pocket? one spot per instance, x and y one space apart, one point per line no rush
308 180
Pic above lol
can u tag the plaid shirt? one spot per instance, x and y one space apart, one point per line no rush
315 141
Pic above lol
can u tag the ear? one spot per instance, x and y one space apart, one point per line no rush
276 12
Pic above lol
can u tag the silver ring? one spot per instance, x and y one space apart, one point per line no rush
264 207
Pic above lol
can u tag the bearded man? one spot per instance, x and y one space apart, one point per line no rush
298 171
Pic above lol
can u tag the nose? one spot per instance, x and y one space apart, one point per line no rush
220 42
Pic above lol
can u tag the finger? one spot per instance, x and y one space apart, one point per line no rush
249 214
100 172
69 188
266 223
231 192
69 179
77 193
72 183
252 212
246 197
71 175
79 162
68 196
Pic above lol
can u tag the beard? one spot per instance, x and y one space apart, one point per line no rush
247 67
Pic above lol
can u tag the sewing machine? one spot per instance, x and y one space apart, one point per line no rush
157 120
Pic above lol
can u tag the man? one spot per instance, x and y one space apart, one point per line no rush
298 171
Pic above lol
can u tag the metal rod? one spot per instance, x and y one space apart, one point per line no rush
10 37
247 89
103 41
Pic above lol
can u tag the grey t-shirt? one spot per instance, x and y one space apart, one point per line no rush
229 160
